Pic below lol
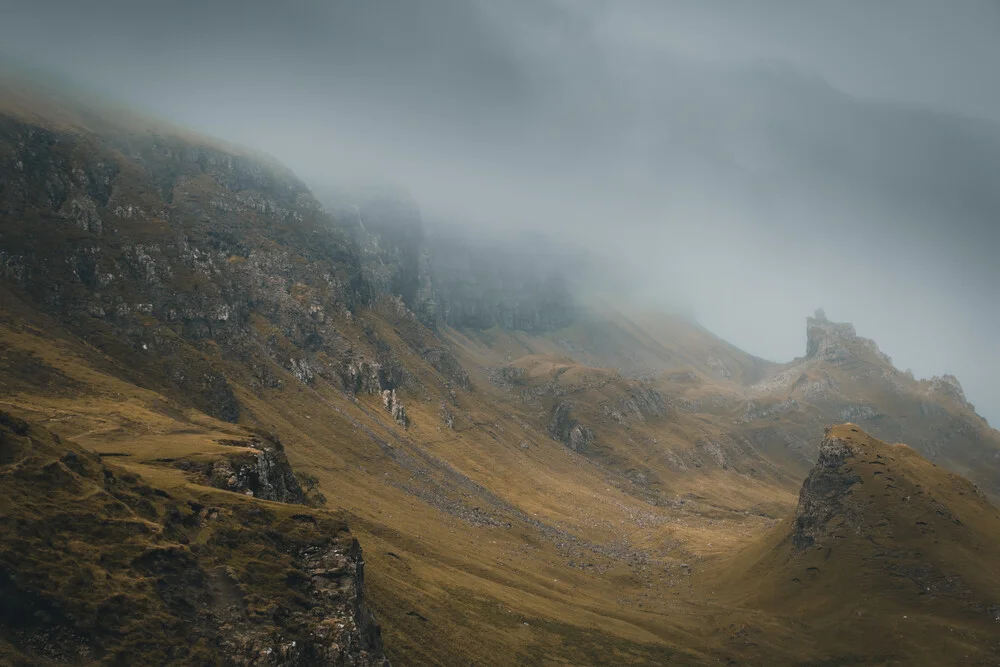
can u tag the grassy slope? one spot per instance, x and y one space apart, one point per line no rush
916 582
438 566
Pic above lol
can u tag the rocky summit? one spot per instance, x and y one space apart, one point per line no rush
243 425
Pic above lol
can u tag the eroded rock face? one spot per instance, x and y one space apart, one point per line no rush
638 404
566 429
949 387
395 407
846 378
836 342
344 635
480 287
265 474
825 494
151 246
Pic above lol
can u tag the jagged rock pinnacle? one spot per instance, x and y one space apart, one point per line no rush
823 494
836 341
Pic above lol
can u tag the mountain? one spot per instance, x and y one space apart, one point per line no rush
887 560
534 475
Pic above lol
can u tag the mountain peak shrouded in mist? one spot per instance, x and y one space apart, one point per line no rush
832 340
747 163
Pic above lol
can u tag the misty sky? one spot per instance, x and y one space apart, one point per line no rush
747 160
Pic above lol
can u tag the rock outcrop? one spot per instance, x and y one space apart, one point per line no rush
837 342
845 377
394 407
882 541
264 473
97 566
824 495
566 429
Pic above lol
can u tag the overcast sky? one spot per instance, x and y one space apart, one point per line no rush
750 160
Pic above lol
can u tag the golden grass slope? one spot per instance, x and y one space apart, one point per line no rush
904 572
500 553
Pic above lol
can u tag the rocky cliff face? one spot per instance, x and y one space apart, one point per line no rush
882 541
98 566
263 472
394 256
449 276
837 342
514 288
824 496
193 264
846 377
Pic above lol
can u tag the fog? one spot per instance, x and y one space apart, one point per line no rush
747 162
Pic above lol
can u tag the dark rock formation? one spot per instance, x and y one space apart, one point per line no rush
566 429
153 245
824 494
394 259
264 474
482 286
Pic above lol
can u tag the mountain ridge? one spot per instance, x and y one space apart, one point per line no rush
537 478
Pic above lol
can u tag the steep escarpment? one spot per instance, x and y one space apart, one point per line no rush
447 275
825 495
151 245
480 283
97 565
204 272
